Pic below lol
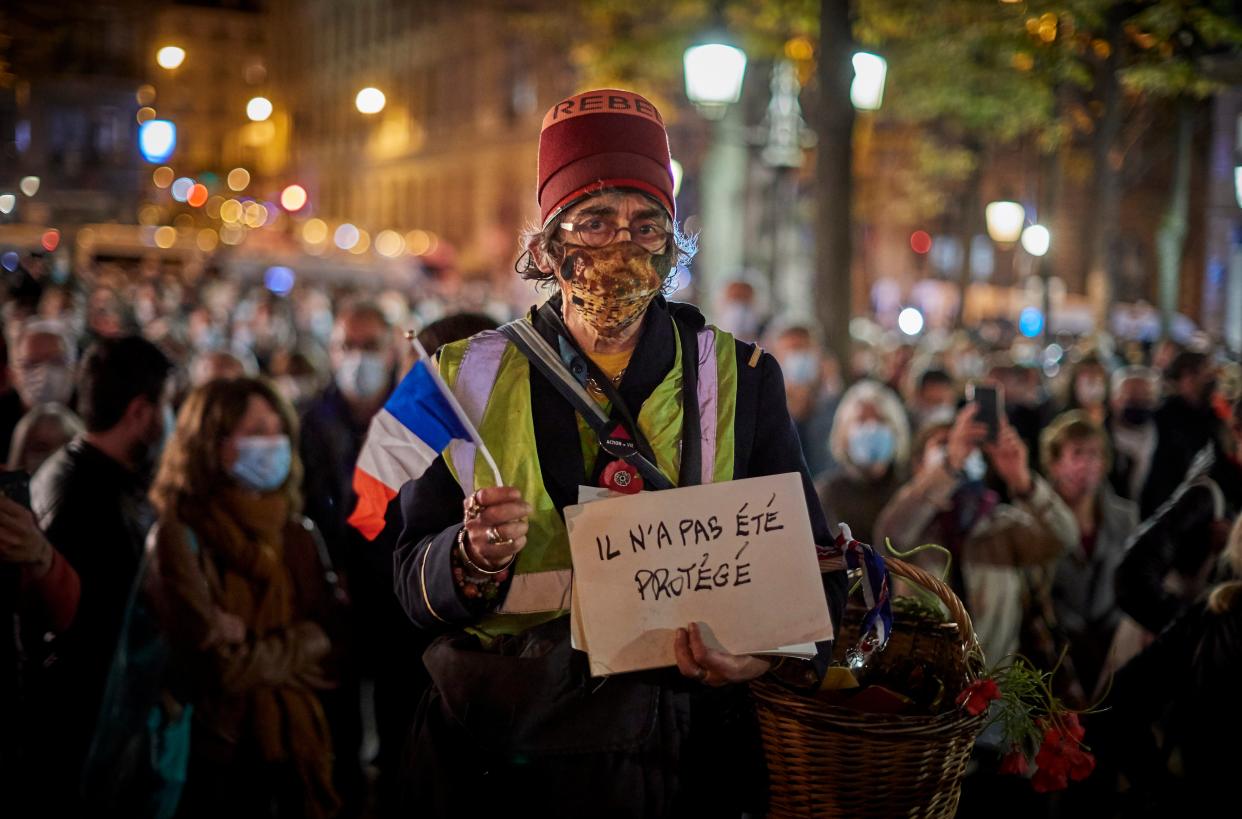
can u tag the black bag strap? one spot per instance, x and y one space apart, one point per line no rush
691 472
548 362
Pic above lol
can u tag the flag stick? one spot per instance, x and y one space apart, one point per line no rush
457 410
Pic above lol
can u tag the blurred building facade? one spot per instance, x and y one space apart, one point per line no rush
452 153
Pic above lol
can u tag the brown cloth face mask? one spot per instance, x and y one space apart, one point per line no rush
611 286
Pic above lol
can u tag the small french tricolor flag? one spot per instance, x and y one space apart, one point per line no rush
416 424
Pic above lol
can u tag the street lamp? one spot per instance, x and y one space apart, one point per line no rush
170 57
157 139
370 100
1036 240
714 74
259 109
867 88
1004 220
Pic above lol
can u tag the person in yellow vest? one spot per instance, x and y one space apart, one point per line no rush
606 384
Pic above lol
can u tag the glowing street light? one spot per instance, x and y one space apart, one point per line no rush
867 88
170 57
370 100
259 109
1036 240
1004 220
714 73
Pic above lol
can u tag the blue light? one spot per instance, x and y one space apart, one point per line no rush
1031 322
279 279
157 139
9 261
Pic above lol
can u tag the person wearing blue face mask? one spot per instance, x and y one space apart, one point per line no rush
870 442
231 537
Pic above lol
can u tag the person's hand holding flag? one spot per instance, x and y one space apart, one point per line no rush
416 424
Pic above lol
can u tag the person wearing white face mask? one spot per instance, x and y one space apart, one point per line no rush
1004 541
41 366
231 538
1089 389
334 425
870 442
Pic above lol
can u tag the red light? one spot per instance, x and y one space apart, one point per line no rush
51 240
920 242
197 196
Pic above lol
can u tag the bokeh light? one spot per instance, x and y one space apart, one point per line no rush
279 279
293 198
346 236
183 221
29 185
389 243
910 321
921 242
207 240
213 207
9 260
162 176
165 237
238 179
149 215
1031 322
420 242
255 215
157 139
1036 240
370 100
7 202
50 239
231 211
144 114
170 57
315 231
362 245
259 109
181 188
197 197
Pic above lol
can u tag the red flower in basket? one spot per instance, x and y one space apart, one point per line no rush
1061 757
1015 762
976 696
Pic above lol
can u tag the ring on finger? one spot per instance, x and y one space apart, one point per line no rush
473 507
493 535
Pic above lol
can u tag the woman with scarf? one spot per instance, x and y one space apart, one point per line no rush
230 538
513 723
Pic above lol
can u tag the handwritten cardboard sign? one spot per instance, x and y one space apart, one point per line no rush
736 557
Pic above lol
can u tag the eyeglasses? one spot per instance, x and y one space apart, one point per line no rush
597 231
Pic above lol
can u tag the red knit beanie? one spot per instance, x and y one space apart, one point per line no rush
602 139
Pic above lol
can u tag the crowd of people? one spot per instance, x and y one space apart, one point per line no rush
194 628
192 450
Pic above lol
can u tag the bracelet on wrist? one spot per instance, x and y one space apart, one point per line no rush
471 565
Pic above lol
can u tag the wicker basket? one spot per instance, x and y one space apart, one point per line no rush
826 760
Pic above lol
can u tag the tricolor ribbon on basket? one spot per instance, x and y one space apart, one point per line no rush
877 624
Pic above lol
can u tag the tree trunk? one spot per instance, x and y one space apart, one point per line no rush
968 216
834 177
1103 241
1171 237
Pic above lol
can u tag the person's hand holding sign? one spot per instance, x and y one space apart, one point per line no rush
495 526
715 668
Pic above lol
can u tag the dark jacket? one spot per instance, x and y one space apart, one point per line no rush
616 784
854 500
1187 682
765 443
1181 431
94 511
1179 543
